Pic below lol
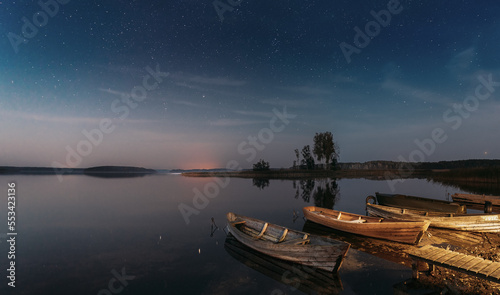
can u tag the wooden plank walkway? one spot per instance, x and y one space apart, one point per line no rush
472 265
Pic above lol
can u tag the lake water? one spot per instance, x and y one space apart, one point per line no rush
89 235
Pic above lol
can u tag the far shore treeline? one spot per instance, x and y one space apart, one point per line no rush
92 171
324 149
463 173
318 161
326 152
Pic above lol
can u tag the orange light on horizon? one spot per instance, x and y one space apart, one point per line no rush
202 165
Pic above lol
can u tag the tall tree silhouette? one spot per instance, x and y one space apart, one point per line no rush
325 148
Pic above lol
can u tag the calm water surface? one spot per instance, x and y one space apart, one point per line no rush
88 235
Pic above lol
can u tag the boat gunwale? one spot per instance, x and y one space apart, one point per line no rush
419 203
385 221
431 214
408 232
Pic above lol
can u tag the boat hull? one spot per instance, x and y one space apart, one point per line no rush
467 222
409 232
476 199
419 203
307 279
319 252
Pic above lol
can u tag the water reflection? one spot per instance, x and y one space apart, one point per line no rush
213 228
261 183
324 192
115 175
383 249
75 232
295 276
479 188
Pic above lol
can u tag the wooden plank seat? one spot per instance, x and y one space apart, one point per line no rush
263 230
299 241
275 239
238 222
283 235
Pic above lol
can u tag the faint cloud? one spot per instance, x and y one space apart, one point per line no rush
339 79
252 113
114 92
235 122
217 81
295 103
391 70
409 91
46 118
220 86
191 86
63 120
189 104
462 63
307 90
122 69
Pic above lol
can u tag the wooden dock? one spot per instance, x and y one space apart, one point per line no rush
472 265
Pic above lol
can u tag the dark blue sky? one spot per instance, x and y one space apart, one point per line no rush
66 94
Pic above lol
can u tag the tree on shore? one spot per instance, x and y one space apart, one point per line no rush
261 166
297 155
307 158
325 148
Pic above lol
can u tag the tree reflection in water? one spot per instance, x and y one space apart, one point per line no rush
324 192
261 183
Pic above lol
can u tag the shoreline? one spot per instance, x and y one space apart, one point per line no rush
478 180
308 174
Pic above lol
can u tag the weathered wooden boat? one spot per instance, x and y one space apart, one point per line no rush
419 203
287 244
485 202
409 232
465 222
309 280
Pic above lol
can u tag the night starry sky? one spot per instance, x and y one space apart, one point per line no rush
417 84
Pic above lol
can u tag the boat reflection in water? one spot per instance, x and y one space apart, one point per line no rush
387 250
304 278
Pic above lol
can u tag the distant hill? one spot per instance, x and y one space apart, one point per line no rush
109 171
11 170
118 171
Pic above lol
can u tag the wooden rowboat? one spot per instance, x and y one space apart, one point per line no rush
287 244
307 279
483 201
409 232
419 203
465 222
